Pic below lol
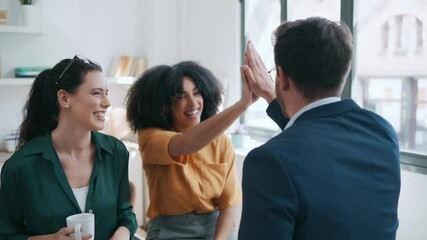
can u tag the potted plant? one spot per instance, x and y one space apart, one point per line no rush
27 2
29 15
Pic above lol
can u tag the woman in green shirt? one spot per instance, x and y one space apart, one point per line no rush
63 166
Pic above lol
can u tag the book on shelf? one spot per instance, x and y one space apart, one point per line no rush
28 72
121 66
3 16
139 65
128 66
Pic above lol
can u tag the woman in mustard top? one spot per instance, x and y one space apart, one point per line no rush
63 166
188 160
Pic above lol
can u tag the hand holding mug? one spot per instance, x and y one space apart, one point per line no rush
82 226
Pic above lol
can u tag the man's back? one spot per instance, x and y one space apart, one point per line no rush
333 175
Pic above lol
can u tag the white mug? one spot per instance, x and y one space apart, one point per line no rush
83 223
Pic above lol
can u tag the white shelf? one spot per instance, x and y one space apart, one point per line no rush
29 81
19 29
16 81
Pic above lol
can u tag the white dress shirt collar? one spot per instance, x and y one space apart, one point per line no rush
312 105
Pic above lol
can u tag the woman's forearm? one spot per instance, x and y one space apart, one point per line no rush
225 223
203 133
121 233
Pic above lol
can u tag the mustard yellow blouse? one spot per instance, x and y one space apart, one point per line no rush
199 182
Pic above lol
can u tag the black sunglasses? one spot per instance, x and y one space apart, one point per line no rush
76 58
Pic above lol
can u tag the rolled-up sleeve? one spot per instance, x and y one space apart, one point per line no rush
154 143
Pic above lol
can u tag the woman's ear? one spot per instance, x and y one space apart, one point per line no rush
62 96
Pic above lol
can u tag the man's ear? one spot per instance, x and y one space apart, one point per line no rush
283 80
62 96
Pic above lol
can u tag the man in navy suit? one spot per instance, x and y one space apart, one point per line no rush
333 173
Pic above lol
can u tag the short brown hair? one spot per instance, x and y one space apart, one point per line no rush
315 52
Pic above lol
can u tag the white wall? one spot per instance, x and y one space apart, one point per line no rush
205 31
164 31
98 29
412 207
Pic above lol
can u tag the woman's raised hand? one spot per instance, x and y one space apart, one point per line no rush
248 96
260 81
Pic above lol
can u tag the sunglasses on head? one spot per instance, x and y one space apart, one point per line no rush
76 58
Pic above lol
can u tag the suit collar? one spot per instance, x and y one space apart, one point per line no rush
329 110
312 105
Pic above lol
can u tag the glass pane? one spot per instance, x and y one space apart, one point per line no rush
383 96
262 17
391 70
421 116
298 9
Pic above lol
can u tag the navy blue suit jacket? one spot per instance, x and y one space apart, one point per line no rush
333 175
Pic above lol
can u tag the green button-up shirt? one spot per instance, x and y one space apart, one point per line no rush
36 198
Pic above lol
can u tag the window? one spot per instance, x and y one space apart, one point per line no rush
402 35
390 69
329 9
261 18
389 73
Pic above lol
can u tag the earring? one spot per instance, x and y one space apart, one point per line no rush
67 106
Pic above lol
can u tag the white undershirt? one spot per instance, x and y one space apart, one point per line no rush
312 105
81 195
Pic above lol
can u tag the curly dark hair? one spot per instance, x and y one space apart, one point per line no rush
150 99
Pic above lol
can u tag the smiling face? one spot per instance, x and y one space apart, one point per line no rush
88 105
187 107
